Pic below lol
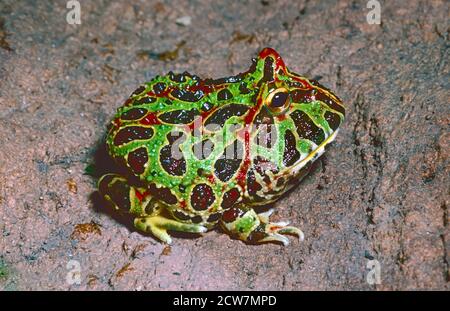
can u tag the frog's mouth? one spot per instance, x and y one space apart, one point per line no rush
296 172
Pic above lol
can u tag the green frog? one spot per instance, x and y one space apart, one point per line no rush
196 153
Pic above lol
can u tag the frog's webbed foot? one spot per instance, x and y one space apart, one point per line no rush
247 225
158 226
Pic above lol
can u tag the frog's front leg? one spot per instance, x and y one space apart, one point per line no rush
139 203
245 224
158 226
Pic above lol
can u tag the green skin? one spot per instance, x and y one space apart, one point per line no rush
186 192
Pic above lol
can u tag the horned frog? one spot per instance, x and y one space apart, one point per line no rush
198 152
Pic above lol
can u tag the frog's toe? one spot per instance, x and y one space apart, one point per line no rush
274 232
247 225
158 226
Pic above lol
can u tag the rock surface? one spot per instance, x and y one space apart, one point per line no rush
380 193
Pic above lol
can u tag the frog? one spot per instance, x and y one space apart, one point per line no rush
197 154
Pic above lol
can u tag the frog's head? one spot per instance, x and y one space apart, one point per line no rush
279 87
273 80
306 113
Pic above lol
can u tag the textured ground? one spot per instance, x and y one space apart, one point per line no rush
381 192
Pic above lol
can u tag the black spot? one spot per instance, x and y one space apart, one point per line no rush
145 100
130 133
231 79
197 219
138 91
186 95
163 194
214 217
224 94
180 215
220 116
268 71
159 88
179 78
333 119
227 165
306 128
128 102
202 196
200 172
179 116
137 160
243 89
182 188
291 154
252 185
173 164
134 114
171 157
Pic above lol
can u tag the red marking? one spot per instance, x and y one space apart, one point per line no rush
211 178
141 196
183 204
117 123
128 102
206 89
245 132
150 119
279 63
281 117
304 82
162 94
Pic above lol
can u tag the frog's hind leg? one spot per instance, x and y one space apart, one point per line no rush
245 224
149 216
159 224
122 197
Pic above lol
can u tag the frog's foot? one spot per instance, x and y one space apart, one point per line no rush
251 227
158 226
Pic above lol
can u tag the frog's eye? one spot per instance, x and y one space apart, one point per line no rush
278 100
